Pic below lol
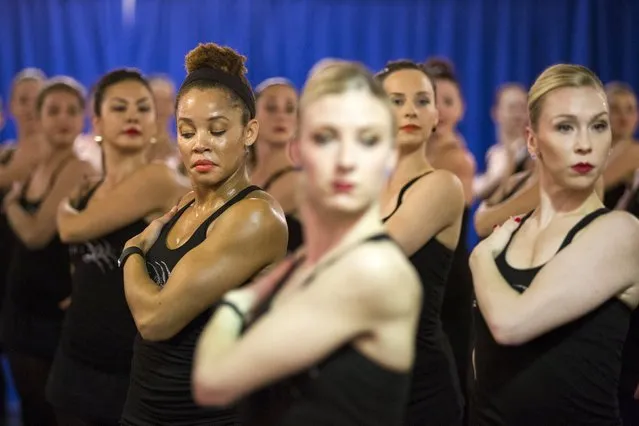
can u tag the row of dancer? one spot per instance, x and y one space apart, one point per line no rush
321 340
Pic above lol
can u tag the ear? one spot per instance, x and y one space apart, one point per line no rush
96 125
252 129
294 151
531 142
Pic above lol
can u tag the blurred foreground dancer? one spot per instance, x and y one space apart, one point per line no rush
327 341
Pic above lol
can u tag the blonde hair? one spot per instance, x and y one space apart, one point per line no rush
341 77
557 77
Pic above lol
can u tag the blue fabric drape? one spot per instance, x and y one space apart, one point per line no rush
490 41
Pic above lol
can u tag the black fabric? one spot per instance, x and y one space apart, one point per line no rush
99 329
435 395
160 388
568 376
614 194
344 389
278 175
295 233
78 391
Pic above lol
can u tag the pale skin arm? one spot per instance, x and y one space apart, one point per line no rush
37 230
244 240
496 167
152 190
434 203
302 331
597 266
460 163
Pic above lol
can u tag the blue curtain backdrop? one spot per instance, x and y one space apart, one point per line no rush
490 41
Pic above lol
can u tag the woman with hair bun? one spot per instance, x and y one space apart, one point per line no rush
218 238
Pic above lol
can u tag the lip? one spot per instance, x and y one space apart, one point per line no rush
410 128
132 132
342 187
203 165
279 129
582 168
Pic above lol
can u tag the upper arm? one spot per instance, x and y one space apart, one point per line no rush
247 238
284 191
459 162
151 190
621 166
341 304
597 266
44 226
433 204
522 202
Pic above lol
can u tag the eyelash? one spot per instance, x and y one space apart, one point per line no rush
564 127
189 135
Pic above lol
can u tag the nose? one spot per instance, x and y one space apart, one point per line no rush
346 156
132 115
201 142
409 110
583 144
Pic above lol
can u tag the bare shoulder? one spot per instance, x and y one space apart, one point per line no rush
619 228
379 275
440 186
258 216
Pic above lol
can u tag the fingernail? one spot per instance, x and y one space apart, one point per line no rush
517 219
495 226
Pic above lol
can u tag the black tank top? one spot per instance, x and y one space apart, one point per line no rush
99 329
630 365
6 235
568 376
160 387
38 280
295 237
345 389
435 397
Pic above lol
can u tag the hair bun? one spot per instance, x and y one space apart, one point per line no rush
440 67
211 55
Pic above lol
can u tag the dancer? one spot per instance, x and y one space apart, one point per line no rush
218 238
273 169
423 209
90 374
555 289
327 340
38 281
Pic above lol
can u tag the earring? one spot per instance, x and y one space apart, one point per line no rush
97 139
533 156
153 141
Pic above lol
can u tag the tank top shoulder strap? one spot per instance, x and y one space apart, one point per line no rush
523 220
585 221
200 232
277 175
83 200
402 192
52 179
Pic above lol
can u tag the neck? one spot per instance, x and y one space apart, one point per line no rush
207 197
57 155
410 164
120 165
507 138
270 157
325 233
556 201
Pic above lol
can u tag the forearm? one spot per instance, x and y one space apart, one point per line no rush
23 224
497 300
142 295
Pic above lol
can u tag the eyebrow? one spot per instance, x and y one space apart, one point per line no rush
139 101
574 117
211 118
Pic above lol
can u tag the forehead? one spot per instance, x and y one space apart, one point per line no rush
61 95
208 102
25 87
408 79
278 91
513 94
127 89
162 87
578 101
353 109
447 88
624 98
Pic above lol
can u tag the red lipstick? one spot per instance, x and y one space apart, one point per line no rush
411 128
203 166
342 187
582 168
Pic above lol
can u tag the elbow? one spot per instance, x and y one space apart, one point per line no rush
67 236
505 332
35 240
482 227
207 391
152 330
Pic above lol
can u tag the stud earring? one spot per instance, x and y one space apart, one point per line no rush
97 139
153 141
